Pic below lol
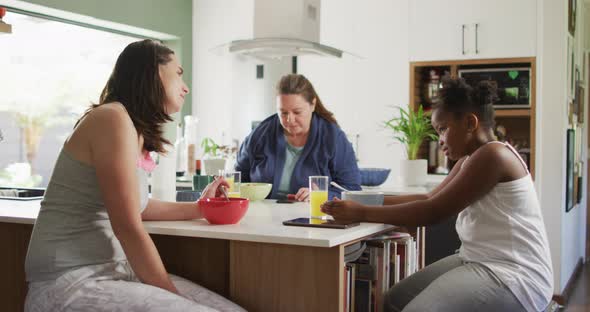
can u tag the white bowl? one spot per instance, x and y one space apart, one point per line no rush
364 197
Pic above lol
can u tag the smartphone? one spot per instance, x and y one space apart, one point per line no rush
319 223
286 198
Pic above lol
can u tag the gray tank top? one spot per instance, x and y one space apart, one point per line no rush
73 228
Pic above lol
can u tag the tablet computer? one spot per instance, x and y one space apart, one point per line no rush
319 223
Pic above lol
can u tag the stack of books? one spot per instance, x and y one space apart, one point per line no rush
385 261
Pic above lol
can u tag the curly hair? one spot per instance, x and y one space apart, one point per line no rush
135 82
459 98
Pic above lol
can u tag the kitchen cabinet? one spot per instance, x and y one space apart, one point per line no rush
517 124
471 29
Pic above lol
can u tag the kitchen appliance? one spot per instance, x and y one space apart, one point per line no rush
21 193
284 28
513 83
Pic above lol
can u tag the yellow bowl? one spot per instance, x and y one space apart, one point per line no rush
255 191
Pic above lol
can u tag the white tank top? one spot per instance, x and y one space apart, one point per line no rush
504 231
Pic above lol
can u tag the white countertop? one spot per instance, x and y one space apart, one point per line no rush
262 223
393 186
390 187
16 211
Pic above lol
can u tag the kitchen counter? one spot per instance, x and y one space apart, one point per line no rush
293 268
262 223
390 187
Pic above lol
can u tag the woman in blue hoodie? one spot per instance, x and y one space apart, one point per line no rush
303 139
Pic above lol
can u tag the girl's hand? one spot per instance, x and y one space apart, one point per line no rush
212 190
345 211
302 194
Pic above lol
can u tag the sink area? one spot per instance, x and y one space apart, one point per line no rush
21 193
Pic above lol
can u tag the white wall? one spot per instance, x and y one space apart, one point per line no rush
254 99
566 231
215 23
586 13
227 96
361 92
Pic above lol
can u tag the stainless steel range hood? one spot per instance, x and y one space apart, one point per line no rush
285 28
278 47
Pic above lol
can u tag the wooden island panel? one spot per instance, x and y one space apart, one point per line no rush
14 242
299 278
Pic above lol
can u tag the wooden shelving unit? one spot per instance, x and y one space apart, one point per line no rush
513 113
519 123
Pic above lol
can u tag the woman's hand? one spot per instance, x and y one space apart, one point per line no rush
212 190
302 194
345 211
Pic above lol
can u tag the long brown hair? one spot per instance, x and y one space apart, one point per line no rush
135 82
298 84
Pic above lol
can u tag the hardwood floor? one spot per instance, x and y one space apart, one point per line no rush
580 298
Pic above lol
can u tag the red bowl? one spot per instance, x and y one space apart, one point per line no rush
220 211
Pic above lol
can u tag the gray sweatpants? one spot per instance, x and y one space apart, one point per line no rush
113 287
451 284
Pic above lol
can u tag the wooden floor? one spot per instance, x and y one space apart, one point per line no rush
580 298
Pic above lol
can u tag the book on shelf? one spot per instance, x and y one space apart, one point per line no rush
386 260
349 286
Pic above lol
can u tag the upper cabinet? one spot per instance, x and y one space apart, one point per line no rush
471 29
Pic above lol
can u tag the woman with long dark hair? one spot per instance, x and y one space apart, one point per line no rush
89 250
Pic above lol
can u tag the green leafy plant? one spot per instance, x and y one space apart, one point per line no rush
214 150
410 129
210 148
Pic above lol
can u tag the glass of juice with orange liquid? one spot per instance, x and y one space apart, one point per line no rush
318 194
234 179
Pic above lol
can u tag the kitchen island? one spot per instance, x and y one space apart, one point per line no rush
259 263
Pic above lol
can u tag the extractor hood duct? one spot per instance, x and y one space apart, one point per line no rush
285 28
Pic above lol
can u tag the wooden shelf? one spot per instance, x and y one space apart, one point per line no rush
525 113
513 112
520 123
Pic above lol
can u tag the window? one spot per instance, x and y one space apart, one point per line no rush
50 72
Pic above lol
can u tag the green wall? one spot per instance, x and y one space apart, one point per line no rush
168 16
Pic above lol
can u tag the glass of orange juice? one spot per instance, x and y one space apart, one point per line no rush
318 194
234 179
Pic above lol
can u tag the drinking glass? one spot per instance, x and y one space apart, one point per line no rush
234 179
318 194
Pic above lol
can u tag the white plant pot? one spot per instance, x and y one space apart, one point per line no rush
413 172
212 166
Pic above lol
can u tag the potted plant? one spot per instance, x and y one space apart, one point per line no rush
215 156
411 128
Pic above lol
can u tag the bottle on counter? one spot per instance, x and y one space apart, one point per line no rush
181 152
190 135
198 167
191 159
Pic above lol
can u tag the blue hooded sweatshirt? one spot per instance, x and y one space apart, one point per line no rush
327 152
